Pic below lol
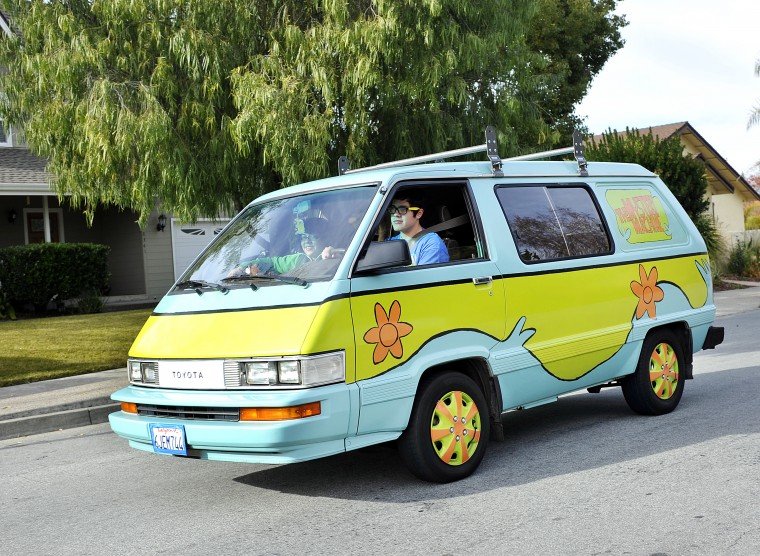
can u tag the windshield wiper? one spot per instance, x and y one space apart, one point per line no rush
244 279
254 277
198 284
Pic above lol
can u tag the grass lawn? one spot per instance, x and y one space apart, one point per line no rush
42 348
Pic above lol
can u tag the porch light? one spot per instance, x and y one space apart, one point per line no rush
12 216
161 223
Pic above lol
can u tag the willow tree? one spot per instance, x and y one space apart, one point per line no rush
131 100
204 105
381 80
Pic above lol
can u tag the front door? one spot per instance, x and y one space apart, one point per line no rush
35 227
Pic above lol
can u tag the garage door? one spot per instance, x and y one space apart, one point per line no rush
188 240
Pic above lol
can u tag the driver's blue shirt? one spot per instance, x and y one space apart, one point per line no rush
427 249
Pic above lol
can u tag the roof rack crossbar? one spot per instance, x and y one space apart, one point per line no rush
489 148
424 158
542 155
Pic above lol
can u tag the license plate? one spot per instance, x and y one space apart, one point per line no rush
168 439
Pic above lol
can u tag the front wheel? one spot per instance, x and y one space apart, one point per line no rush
657 385
448 431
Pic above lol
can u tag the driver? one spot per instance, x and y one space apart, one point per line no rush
313 247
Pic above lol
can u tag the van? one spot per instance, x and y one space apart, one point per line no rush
303 330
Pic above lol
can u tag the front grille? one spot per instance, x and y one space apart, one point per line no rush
232 375
197 413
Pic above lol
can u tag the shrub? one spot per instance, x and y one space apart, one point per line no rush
716 245
744 260
35 274
752 215
90 302
6 309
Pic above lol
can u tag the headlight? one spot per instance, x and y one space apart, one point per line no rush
314 370
289 372
135 374
142 371
260 373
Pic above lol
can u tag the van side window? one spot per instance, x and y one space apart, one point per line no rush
447 212
553 222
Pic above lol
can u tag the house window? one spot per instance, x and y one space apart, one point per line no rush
34 225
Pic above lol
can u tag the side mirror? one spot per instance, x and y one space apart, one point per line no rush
384 254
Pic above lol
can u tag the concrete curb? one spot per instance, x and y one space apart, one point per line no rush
70 418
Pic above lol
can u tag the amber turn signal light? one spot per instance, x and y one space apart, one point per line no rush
129 407
280 413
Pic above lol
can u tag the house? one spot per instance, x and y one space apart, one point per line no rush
727 190
143 263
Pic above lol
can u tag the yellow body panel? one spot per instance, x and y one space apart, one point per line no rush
419 315
259 333
583 317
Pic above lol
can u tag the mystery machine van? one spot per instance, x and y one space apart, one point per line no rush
314 324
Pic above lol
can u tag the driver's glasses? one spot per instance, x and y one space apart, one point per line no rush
401 211
308 238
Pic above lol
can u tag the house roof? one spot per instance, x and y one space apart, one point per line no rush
22 173
721 176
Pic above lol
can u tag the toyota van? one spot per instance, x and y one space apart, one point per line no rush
302 332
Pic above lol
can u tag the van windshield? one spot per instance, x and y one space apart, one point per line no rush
289 240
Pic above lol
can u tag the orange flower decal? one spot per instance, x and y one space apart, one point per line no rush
647 291
388 333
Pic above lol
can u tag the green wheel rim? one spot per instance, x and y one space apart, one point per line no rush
455 428
663 371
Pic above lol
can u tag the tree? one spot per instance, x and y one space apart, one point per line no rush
405 78
754 118
131 101
205 105
574 39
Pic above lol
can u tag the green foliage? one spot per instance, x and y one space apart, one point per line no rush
684 175
752 215
6 309
36 274
716 245
575 40
205 105
90 302
131 100
744 260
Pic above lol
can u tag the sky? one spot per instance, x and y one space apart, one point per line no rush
684 60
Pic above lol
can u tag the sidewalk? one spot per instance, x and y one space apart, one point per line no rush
85 399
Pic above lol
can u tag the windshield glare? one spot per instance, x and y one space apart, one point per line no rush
302 237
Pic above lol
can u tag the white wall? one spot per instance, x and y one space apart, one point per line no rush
157 258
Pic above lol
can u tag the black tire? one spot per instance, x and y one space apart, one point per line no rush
465 451
646 396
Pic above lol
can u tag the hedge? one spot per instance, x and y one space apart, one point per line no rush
36 274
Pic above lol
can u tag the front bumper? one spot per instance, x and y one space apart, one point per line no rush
247 441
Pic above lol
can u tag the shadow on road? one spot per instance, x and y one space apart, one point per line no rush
575 434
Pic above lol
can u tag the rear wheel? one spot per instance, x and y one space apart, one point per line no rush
657 385
448 430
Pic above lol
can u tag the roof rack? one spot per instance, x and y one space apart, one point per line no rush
489 147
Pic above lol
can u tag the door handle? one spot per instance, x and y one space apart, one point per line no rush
482 280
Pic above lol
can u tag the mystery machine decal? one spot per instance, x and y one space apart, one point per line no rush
648 292
388 333
640 215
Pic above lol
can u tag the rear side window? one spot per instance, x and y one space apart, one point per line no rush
551 223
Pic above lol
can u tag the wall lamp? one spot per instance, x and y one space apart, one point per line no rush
161 223
12 216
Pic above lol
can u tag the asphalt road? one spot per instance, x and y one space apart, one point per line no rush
580 476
